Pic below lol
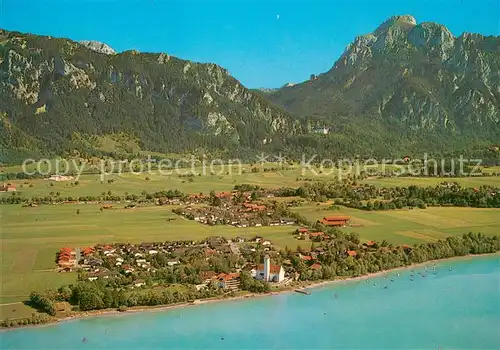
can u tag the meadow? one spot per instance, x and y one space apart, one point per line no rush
411 226
223 179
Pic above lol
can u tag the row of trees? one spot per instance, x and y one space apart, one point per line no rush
372 198
335 262
95 295
26 321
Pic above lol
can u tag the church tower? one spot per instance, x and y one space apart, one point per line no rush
267 268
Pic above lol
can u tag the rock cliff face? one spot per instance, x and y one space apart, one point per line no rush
53 89
409 79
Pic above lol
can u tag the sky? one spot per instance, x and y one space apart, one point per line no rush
263 43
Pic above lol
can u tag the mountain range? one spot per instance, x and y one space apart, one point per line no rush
403 89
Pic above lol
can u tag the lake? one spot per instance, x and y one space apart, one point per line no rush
425 307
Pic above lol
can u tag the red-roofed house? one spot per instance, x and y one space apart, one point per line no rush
316 266
224 195
88 251
316 234
228 280
8 188
254 207
352 253
336 221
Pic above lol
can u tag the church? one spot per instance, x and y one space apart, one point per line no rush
268 272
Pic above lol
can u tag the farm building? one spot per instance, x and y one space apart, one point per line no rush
335 221
8 188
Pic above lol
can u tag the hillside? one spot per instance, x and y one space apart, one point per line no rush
406 86
58 95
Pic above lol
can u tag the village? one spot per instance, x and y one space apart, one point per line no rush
238 209
215 261
238 215
138 261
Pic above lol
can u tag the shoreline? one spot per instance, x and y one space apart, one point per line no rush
197 302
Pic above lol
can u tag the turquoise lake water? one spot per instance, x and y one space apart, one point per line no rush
446 309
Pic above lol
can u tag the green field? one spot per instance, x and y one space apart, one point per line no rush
128 183
433 181
413 226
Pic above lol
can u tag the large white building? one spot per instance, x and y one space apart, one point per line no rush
268 272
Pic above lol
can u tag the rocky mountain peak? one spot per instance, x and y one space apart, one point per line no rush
415 78
98 47
404 20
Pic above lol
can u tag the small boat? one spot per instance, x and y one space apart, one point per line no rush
84 340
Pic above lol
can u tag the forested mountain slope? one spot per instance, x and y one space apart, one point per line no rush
57 95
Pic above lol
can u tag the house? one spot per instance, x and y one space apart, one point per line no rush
128 269
323 131
61 178
335 221
66 258
172 262
228 280
302 231
306 257
316 234
268 272
370 244
316 266
88 251
8 188
352 253
266 243
139 283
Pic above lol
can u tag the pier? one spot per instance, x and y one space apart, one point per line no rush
303 291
